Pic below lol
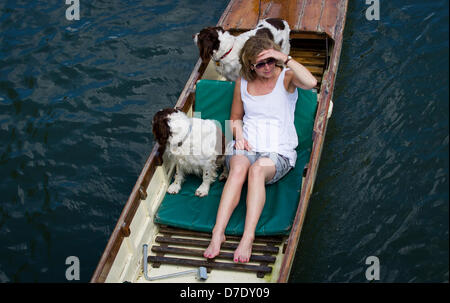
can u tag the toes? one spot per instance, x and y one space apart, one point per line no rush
237 258
243 260
214 247
209 255
242 254
240 259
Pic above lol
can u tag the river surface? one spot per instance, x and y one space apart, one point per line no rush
77 99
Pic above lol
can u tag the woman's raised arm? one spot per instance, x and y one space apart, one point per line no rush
301 76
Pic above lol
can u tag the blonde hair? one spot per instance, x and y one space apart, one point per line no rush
250 51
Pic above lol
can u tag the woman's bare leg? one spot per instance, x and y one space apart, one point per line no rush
261 171
229 200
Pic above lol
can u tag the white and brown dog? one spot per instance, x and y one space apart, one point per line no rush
224 48
196 145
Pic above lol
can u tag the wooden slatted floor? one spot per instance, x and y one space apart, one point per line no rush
314 61
183 247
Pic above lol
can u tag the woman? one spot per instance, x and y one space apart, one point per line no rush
262 120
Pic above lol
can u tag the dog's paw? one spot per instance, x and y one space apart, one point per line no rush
202 191
174 188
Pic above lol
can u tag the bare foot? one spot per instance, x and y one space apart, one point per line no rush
214 246
244 250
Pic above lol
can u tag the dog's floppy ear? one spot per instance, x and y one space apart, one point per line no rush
161 129
208 41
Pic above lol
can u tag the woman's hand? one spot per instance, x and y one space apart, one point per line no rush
302 76
242 144
271 53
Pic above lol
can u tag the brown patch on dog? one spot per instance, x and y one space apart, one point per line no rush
208 41
277 23
264 32
161 129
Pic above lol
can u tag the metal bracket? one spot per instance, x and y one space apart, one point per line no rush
201 272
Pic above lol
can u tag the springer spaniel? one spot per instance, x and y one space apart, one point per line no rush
195 144
224 48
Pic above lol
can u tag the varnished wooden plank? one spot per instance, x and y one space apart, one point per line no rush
209 264
329 17
310 61
191 233
199 253
304 15
340 21
226 13
308 54
306 35
202 243
311 15
295 13
315 70
243 14
274 9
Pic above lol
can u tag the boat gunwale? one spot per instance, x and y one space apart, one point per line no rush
320 127
122 229
185 101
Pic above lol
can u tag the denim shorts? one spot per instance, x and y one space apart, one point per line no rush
282 164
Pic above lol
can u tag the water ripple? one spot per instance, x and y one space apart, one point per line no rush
382 186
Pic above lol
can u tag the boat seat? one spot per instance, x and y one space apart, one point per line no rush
185 210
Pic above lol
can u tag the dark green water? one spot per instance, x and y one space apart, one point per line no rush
77 98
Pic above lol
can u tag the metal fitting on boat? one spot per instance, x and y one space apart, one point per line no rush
201 272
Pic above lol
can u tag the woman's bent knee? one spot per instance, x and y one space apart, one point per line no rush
256 171
238 172
261 169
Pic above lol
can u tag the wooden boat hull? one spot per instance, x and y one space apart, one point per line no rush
318 24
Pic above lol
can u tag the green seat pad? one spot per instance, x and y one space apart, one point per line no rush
185 210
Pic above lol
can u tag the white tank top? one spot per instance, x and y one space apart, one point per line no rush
269 120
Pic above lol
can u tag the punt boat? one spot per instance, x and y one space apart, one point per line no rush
142 245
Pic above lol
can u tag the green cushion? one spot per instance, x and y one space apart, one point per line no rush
185 210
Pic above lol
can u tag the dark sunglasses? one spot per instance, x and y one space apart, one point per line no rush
261 64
